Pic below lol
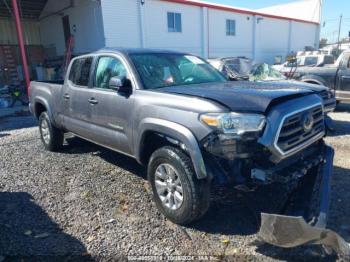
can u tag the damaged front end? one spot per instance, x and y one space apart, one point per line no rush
304 220
290 152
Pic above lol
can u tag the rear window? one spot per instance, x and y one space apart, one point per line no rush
80 71
240 65
328 60
311 60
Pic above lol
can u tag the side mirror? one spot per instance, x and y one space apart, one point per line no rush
120 84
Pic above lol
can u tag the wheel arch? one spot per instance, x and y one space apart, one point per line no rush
169 133
41 105
311 79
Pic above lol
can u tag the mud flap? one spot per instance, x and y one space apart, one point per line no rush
292 231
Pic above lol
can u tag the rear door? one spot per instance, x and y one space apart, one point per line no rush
79 98
343 79
111 116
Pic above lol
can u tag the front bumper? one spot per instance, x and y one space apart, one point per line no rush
308 227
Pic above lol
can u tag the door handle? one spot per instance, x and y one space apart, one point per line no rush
93 101
66 96
345 77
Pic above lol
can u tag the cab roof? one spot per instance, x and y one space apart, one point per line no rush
138 51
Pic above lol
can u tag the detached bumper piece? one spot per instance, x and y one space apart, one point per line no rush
288 231
309 226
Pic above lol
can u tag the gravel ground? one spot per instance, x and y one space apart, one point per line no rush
87 202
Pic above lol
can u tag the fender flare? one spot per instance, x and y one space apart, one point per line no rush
175 131
313 78
41 100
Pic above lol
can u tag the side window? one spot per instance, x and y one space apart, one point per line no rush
328 60
80 71
108 67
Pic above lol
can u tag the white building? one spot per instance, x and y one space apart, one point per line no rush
208 30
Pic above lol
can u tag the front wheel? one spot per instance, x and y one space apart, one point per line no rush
178 194
51 136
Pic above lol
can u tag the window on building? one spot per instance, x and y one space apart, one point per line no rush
174 22
230 27
80 71
107 68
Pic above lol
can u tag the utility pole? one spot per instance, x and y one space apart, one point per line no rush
340 21
21 43
318 34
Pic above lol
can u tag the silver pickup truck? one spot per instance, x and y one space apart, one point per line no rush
180 117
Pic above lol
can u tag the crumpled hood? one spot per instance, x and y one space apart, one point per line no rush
242 96
308 86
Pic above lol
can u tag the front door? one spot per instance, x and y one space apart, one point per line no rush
343 79
79 98
112 113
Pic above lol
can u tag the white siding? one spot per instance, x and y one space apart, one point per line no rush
85 17
51 31
127 23
130 24
157 35
121 21
221 45
122 25
303 35
272 36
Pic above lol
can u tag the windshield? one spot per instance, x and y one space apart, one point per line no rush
162 70
240 65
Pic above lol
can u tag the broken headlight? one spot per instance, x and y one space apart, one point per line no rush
234 123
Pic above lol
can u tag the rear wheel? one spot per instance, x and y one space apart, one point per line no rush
51 136
178 194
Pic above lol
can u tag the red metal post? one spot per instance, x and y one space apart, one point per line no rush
21 43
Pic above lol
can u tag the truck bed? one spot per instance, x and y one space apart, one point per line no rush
48 91
57 82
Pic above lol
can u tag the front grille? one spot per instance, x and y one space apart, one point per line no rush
293 134
328 100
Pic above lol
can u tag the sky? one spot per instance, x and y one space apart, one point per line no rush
332 9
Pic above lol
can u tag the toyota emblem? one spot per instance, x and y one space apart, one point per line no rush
307 122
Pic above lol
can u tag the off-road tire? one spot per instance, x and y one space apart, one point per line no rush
196 193
56 136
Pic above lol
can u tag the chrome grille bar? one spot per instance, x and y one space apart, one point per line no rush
292 135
